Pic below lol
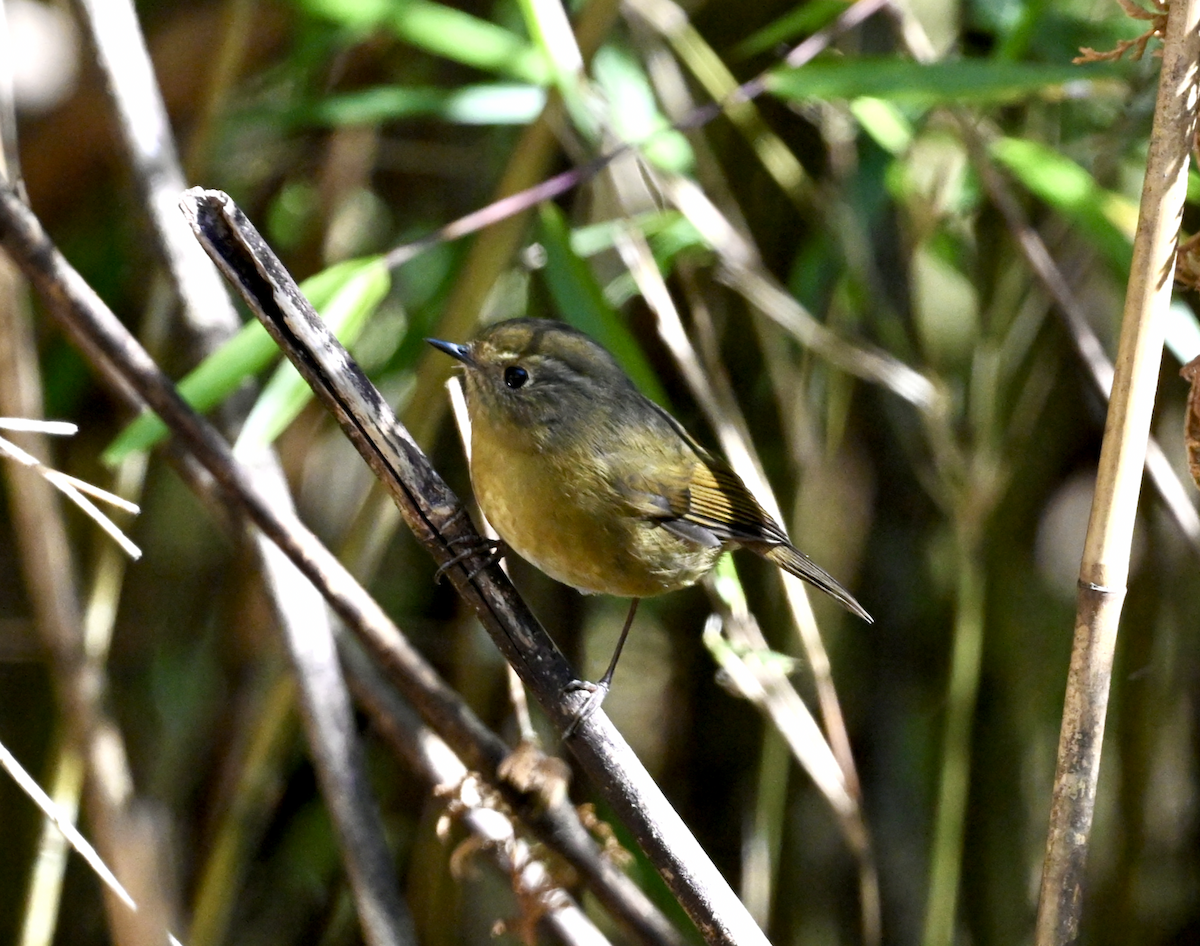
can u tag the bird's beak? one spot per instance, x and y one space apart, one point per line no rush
461 352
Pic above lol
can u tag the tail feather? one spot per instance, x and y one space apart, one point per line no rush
792 560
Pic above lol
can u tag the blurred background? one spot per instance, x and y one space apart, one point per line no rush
851 286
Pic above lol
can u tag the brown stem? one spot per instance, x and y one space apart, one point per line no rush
1105 566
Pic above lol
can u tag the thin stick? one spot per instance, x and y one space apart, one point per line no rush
435 762
1105 567
64 821
58 428
149 146
74 488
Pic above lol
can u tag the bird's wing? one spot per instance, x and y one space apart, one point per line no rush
714 508
718 500
709 503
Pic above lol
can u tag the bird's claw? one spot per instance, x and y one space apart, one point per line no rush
492 551
597 691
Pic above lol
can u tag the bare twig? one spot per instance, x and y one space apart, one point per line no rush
1191 424
53 428
741 269
329 726
10 156
74 489
1104 570
150 148
64 823
1157 18
43 896
444 773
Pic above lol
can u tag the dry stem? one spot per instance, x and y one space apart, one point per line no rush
1105 566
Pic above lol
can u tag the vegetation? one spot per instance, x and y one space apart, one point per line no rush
832 276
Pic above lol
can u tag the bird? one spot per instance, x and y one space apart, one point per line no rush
596 485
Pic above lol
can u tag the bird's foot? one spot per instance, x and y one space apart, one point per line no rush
490 551
596 694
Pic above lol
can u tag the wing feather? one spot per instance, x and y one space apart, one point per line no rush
714 508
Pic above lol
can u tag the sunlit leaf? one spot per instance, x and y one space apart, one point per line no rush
1193 191
884 122
362 287
246 354
357 14
806 18
1106 218
581 302
634 110
444 31
598 237
498 104
458 36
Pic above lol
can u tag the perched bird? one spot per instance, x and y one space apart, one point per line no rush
594 483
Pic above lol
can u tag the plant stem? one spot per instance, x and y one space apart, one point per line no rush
965 662
1105 566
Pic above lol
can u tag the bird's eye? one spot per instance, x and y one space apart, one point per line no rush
515 377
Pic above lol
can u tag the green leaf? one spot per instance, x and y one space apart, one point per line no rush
634 110
443 31
358 286
494 104
902 80
598 237
884 122
206 386
1108 219
458 36
804 19
1193 191
356 14
581 302
244 355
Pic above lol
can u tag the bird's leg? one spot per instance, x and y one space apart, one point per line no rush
599 690
606 680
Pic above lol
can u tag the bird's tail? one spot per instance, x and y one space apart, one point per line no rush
792 560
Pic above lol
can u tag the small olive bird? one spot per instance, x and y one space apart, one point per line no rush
597 485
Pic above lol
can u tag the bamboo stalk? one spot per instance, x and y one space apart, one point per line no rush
1105 566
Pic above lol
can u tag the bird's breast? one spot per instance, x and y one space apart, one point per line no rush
562 512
